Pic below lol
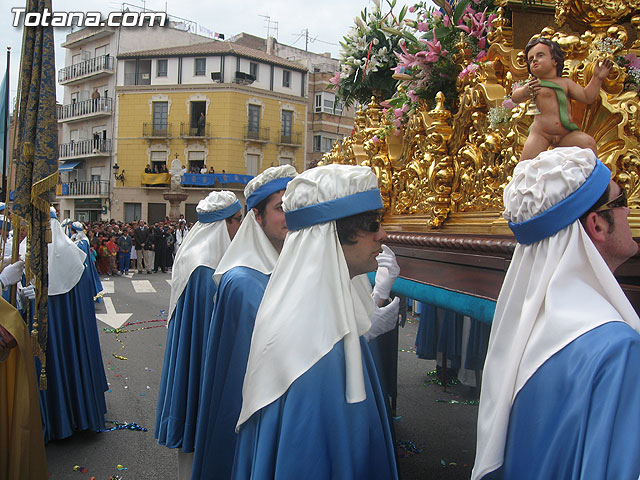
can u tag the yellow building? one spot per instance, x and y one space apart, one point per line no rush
213 105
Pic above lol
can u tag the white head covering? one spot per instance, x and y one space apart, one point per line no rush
310 303
557 288
251 247
66 261
205 243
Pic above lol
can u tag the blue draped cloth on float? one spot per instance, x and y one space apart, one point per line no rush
336 440
183 361
76 381
90 266
440 330
228 345
578 416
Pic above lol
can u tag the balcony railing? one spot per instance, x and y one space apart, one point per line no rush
187 130
83 148
83 189
294 138
103 63
85 108
260 134
160 131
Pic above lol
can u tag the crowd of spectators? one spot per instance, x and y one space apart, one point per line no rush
113 245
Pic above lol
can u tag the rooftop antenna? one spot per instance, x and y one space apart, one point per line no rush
270 26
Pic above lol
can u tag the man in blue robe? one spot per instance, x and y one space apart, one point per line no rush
312 406
76 381
242 276
190 308
560 387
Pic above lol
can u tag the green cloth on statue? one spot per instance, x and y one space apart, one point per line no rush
562 104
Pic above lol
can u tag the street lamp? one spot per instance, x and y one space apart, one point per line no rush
117 176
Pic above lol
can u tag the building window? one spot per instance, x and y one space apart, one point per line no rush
162 67
137 72
254 119
201 66
130 72
286 161
286 78
196 162
326 102
160 118
322 144
287 121
252 164
158 161
253 70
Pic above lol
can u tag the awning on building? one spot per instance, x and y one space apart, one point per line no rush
68 166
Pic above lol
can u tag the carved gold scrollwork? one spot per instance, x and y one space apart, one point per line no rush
445 168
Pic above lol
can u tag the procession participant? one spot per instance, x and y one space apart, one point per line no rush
312 404
22 453
560 392
242 276
76 380
190 308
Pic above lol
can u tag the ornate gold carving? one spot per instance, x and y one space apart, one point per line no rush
448 171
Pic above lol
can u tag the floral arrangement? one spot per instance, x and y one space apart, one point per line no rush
631 63
367 57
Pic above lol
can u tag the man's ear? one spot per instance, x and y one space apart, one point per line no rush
257 215
596 227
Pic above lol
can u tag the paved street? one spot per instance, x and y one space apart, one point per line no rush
437 423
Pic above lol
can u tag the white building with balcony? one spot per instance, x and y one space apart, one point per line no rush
86 117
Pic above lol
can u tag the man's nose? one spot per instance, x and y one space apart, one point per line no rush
381 235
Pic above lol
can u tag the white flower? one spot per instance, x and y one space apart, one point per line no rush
376 41
377 3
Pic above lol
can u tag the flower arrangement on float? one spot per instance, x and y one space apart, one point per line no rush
414 55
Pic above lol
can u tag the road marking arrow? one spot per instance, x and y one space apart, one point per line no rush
143 286
111 318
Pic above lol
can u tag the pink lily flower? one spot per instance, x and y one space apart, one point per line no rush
412 96
335 79
509 104
446 21
375 139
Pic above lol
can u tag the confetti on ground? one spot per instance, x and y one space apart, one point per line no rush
407 449
458 402
434 379
410 350
121 467
397 419
122 426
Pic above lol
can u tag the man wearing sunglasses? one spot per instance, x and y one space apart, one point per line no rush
560 387
312 405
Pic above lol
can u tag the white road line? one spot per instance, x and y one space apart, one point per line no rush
143 286
107 286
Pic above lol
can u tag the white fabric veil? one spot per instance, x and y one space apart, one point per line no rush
205 243
310 303
555 290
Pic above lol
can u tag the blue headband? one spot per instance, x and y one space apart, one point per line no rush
8 224
52 214
334 209
564 213
267 189
210 217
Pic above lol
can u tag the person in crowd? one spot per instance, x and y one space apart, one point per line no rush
144 246
190 308
124 251
559 392
147 169
160 248
211 170
112 251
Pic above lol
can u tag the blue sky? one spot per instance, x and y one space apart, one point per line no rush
327 21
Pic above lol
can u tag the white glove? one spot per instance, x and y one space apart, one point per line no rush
383 320
28 292
12 274
386 274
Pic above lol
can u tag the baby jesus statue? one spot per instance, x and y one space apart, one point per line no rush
550 91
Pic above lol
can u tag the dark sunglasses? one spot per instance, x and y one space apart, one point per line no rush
619 201
370 225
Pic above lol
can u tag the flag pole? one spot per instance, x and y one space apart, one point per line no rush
5 139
